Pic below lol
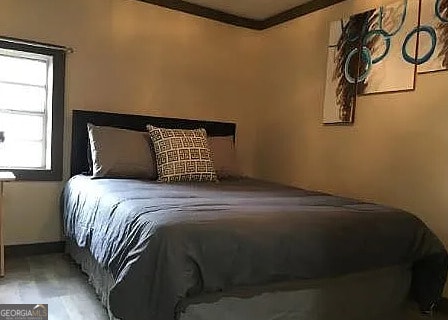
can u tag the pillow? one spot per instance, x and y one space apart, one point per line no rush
182 155
121 153
224 157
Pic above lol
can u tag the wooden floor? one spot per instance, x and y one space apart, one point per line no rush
55 280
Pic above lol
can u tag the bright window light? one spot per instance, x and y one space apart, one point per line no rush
25 109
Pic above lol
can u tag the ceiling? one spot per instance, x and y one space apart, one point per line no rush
252 9
252 14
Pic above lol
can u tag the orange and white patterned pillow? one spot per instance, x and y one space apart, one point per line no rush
182 155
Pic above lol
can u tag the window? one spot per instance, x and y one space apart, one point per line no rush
31 110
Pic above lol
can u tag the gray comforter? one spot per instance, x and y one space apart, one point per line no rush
165 242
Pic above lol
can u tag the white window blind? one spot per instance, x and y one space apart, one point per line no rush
25 109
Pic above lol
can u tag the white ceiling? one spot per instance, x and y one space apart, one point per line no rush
254 9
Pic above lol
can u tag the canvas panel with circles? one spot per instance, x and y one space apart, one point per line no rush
380 50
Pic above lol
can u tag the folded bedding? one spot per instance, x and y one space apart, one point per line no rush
163 242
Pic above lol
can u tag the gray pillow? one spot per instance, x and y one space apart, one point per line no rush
121 153
224 157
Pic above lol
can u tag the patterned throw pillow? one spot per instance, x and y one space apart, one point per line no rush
182 155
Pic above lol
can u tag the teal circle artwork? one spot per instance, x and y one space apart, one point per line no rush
419 60
366 56
386 39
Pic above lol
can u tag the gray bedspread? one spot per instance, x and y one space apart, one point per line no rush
165 242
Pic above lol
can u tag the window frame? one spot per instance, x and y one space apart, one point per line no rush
57 111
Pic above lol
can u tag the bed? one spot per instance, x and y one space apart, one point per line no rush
241 248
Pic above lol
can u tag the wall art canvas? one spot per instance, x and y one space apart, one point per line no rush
433 36
342 69
371 52
389 48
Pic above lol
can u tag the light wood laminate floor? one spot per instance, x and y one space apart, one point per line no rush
56 280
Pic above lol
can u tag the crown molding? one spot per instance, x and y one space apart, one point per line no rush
235 20
208 13
298 11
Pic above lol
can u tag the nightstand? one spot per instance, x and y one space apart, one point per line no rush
5 176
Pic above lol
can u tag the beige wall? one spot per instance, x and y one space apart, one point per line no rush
396 153
136 58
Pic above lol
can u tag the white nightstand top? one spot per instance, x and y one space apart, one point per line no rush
7 176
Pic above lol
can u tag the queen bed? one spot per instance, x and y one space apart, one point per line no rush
240 248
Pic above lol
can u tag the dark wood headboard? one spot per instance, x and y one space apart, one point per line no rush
80 139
